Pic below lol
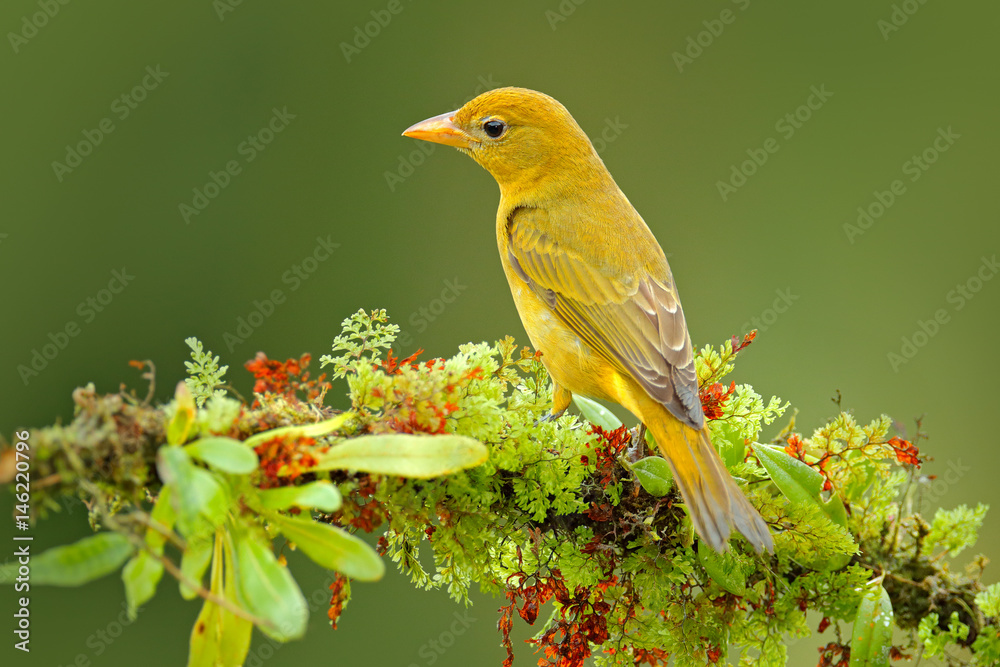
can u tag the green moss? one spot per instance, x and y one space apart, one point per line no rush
554 521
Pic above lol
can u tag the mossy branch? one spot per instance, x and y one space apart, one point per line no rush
571 512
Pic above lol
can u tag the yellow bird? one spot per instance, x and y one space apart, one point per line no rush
594 290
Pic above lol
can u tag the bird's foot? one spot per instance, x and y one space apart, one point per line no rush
550 417
637 444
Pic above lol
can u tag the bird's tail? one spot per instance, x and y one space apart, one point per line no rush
714 501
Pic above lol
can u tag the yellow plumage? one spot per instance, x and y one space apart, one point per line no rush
594 290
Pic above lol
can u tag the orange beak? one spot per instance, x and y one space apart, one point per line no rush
441 130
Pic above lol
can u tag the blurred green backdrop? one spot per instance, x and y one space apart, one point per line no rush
681 93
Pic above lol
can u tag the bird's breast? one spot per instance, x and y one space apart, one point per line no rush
570 361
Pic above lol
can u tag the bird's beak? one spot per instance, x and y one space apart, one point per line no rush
441 130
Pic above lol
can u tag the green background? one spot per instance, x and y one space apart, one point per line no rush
682 129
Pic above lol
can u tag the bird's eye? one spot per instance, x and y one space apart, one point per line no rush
494 128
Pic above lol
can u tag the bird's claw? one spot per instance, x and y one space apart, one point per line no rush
552 416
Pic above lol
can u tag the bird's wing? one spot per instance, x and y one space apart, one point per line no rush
635 322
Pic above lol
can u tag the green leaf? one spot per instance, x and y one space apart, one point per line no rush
141 576
220 638
201 501
74 564
321 495
405 455
224 454
332 547
803 485
733 448
596 413
989 601
268 591
164 516
722 568
194 562
955 530
936 642
207 377
866 475
309 430
183 419
872 637
800 483
651 441
654 474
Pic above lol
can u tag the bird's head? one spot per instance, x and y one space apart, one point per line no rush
524 138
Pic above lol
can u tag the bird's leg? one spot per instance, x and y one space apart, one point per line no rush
561 398
637 444
641 445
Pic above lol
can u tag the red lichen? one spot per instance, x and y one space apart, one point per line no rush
284 458
289 378
713 398
747 339
609 447
338 599
906 452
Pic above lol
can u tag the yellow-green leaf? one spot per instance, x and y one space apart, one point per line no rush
183 419
723 568
194 562
596 413
224 454
332 547
321 495
800 483
268 591
308 430
872 637
141 575
732 447
653 472
405 455
219 638
164 516
196 493
74 564
803 485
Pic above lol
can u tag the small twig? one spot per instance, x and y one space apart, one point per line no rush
114 524
141 517
230 388
151 376
205 593
903 580
48 480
